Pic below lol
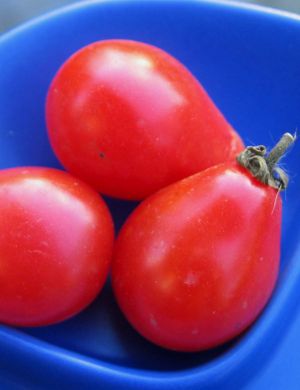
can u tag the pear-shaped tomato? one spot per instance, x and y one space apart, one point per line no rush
129 119
195 264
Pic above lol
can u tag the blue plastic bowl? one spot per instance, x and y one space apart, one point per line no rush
248 59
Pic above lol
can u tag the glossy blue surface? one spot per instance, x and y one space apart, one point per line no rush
248 59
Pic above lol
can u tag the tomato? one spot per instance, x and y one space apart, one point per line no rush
195 263
129 119
56 237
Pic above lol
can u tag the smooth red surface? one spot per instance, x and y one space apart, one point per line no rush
196 263
129 119
56 237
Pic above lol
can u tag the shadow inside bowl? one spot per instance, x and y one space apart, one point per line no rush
102 332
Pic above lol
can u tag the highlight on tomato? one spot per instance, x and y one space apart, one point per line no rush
129 119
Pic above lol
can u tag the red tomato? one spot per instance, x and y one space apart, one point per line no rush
129 119
56 237
196 263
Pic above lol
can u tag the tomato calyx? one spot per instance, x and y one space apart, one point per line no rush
264 165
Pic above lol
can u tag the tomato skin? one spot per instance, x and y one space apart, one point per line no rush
56 238
129 119
195 264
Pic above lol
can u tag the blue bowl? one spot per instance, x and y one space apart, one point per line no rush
248 59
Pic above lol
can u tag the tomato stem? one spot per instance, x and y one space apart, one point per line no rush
280 149
263 165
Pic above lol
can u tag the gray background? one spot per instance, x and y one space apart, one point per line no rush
14 12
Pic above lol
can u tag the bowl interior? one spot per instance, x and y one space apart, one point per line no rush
249 63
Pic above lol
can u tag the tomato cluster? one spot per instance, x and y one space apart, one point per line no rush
197 260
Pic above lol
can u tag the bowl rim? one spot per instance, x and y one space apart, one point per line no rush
230 4
259 331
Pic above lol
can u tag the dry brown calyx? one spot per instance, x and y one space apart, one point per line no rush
264 165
